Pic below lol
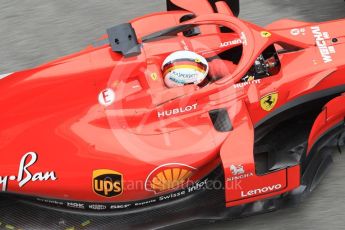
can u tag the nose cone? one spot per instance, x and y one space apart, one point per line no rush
90 147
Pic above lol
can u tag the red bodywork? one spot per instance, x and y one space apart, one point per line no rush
54 112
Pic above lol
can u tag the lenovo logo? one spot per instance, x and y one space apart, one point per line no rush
261 191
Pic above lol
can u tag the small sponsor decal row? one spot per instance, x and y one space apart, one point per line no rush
198 186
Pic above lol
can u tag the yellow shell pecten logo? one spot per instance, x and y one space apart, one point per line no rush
168 177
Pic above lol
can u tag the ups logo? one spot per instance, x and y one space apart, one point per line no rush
107 183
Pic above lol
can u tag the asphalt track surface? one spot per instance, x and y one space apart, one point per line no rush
36 31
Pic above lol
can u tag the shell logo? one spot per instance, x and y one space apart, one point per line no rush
168 177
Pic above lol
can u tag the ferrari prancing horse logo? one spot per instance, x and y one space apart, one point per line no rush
265 34
269 101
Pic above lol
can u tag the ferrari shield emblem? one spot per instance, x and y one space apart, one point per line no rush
154 76
269 101
266 34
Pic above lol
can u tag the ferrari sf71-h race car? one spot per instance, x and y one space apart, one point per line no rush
97 139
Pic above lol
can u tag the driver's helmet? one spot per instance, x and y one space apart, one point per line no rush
183 68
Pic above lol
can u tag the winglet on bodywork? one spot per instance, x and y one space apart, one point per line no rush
331 116
242 183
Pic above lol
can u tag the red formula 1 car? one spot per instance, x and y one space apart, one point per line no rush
97 140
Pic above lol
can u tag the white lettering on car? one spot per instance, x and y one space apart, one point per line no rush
320 39
261 191
244 84
25 175
106 97
231 43
298 31
177 111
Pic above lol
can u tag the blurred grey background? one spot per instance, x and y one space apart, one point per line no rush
36 31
